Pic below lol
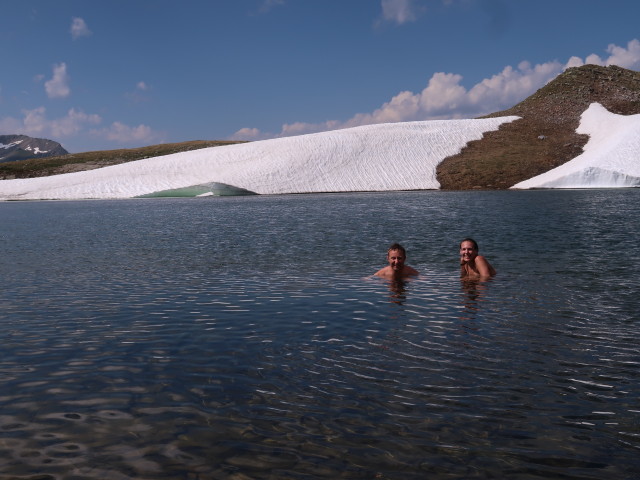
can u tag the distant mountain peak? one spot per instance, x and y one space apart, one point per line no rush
23 147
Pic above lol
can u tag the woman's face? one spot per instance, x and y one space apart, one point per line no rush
467 251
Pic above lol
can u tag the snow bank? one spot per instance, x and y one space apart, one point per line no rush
385 157
611 157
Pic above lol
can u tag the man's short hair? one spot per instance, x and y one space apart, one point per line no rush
397 246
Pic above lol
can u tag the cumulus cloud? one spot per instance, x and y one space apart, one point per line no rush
58 86
445 97
77 123
622 57
79 28
248 134
625 57
73 123
36 123
123 134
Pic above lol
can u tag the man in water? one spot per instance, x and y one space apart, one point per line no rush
396 255
472 265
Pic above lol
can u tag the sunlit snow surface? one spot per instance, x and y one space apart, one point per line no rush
611 157
384 157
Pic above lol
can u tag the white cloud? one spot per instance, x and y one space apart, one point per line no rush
124 134
445 98
622 57
247 134
626 58
79 28
73 123
58 86
140 93
36 123
76 123
400 11
574 62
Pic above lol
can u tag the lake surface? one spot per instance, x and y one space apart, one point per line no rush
241 338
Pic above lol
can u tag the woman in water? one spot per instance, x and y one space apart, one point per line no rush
472 265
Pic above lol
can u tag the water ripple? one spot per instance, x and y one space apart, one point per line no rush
140 359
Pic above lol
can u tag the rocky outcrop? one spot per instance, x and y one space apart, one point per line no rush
22 147
545 136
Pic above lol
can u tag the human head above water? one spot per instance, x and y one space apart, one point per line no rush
473 242
398 247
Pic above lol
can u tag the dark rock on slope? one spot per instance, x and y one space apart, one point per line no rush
22 147
545 136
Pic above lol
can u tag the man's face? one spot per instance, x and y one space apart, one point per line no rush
396 260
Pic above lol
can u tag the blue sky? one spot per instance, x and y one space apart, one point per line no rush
105 74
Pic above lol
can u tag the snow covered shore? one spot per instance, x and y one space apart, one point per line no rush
384 157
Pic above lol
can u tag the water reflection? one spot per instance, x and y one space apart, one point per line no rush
397 289
473 294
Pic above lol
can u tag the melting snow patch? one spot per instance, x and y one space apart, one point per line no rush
611 157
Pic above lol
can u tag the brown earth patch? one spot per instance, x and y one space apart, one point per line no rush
544 137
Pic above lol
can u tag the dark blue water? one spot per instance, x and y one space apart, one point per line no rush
215 338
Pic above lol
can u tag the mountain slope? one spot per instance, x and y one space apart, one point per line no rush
382 157
21 147
77 162
545 136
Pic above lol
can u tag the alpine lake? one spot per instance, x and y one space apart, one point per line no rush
244 338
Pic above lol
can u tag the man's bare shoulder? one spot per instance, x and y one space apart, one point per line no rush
410 271
386 272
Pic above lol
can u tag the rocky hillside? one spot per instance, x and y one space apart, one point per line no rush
21 147
545 135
